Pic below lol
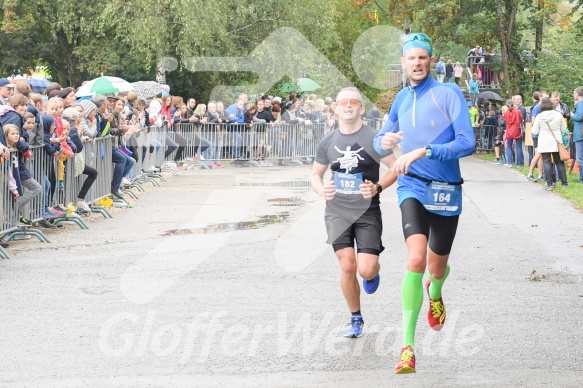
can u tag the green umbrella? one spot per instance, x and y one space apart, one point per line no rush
289 87
307 85
300 86
101 85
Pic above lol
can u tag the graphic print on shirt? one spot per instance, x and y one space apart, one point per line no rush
349 160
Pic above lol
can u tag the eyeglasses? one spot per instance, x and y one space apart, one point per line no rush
346 102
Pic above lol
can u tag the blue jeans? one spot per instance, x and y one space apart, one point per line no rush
518 148
213 153
284 147
579 157
46 193
204 145
123 165
237 139
473 97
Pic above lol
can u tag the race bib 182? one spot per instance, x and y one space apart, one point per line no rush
348 183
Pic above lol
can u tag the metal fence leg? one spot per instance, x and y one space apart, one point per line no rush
26 231
4 254
101 210
76 219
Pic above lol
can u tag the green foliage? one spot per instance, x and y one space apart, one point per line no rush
557 66
127 39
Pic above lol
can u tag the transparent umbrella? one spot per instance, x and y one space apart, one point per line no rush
147 89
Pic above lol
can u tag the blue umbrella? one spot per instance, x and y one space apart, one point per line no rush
38 85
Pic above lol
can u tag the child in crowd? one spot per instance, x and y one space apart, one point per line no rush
29 123
12 135
18 180
53 150
474 85
68 150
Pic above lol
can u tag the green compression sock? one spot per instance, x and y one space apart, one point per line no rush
412 295
436 284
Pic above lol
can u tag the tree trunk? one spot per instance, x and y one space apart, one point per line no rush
67 69
539 23
538 37
506 17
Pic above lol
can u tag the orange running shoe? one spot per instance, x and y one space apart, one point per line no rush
407 363
436 313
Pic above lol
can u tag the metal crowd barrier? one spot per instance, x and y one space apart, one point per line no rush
38 166
486 137
150 146
97 154
245 144
162 138
374 123
8 221
44 169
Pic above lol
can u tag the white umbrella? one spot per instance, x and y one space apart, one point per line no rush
147 89
93 87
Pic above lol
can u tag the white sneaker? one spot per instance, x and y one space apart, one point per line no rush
125 181
83 206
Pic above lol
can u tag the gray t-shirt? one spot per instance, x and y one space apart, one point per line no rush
350 156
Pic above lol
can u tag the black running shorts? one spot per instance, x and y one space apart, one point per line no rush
439 230
345 228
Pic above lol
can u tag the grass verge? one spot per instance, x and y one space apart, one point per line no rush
573 193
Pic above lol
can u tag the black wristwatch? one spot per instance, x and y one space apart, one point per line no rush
379 188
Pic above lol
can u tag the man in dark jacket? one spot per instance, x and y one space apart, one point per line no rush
561 107
264 114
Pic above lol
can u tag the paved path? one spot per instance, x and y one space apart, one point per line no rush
177 291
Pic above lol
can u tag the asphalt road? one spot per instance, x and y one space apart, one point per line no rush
223 278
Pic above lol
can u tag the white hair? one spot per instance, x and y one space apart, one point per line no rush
70 114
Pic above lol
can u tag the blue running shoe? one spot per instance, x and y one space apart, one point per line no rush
370 286
355 327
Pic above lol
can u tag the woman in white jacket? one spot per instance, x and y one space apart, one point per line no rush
549 125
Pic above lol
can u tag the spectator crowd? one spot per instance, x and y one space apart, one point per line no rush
61 124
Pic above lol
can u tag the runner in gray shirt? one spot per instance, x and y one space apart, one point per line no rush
353 213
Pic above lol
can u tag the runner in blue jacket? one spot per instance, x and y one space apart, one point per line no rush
430 121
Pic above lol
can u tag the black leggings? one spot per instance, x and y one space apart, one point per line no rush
439 230
91 176
181 141
134 151
549 167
